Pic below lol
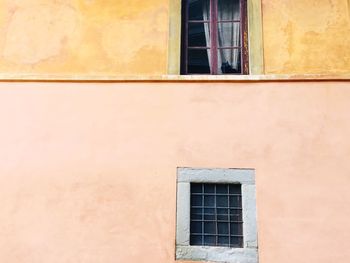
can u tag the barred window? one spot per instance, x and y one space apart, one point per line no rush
216 215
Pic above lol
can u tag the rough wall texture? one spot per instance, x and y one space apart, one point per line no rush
306 36
88 171
125 37
129 37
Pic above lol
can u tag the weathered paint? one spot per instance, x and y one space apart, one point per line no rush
255 36
132 37
124 37
88 171
306 36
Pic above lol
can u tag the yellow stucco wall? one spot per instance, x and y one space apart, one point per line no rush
83 36
306 36
130 37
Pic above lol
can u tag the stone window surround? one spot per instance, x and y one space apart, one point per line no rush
245 177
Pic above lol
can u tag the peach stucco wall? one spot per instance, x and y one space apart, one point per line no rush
88 171
130 37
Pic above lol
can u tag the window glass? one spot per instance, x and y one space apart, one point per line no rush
218 222
221 34
198 9
198 61
198 34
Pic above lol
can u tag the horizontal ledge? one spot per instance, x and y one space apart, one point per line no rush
217 254
7 77
193 175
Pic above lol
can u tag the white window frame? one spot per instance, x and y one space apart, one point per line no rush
184 251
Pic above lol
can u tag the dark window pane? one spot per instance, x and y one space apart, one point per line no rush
209 188
235 201
223 241
209 240
222 201
229 61
236 241
196 227
196 188
196 200
229 34
196 240
197 216
235 218
237 212
222 189
198 10
236 229
209 211
196 211
228 10
198 61
222 211
209 228
235 189
209 217
222 217
198 35
223 228
235 215
209 200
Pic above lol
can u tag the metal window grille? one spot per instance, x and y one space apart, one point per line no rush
216 215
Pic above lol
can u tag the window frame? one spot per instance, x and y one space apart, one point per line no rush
255 41
185 251
213 22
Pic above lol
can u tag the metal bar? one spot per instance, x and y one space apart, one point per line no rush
199 234
219 207
216 217
206 214
218 194
214 220
228 210
203 215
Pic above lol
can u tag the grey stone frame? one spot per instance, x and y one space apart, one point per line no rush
245 177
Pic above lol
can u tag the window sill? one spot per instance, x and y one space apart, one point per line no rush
217 254
8 77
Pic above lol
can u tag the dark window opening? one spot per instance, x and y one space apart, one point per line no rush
214 37
216 215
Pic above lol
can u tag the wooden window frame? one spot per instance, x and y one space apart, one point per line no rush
214 38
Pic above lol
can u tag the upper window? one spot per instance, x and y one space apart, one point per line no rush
214 37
